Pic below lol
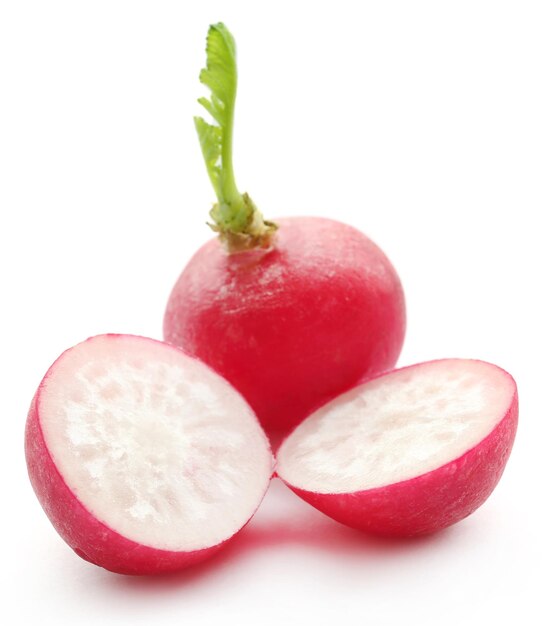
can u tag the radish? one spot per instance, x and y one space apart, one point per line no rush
290 312
409 452
143 458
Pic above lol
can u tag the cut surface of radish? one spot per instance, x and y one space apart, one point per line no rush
385 438
151 442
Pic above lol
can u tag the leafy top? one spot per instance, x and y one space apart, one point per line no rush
237 220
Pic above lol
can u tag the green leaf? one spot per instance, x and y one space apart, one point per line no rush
210 138
237 220
220 76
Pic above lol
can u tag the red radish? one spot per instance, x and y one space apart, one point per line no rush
293 312
292 327
143 458
409 452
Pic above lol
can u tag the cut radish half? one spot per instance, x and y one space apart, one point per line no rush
144 459
409 452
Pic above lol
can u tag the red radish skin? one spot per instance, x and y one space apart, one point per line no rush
293 326
433 500
89 536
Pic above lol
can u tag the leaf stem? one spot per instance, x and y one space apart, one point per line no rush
237 220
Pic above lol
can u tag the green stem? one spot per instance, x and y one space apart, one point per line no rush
236 218
231 193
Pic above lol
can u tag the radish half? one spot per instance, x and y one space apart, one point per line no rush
409 452
144 459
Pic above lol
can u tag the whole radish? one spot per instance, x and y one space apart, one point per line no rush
291 312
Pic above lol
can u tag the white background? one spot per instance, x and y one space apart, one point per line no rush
417 122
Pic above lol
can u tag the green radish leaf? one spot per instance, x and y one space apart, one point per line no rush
236 218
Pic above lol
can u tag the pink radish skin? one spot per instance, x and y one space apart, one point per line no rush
435 499
91 536
293 326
